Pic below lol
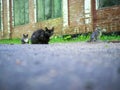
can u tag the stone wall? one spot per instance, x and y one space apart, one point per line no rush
4 33
30 28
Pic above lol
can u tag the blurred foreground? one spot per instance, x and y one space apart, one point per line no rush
72 66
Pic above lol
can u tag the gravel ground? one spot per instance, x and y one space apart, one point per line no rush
71 66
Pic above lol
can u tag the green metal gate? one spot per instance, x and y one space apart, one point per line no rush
21 12
47 9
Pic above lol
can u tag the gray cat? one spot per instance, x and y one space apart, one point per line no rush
96 34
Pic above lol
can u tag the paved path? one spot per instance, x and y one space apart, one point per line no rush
73 66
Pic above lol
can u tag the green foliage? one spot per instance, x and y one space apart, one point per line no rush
66 39
10 41
56 39
81 38
112 37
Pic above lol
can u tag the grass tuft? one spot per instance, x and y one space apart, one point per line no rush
65 39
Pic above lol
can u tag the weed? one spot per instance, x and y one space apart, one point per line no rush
10 41
65 39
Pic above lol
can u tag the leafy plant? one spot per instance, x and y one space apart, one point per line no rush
66 39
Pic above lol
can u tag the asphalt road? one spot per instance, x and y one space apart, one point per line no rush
71 66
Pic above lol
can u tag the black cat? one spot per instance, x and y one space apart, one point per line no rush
25 39
42 36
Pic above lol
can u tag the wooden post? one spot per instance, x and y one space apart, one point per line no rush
68 12
93 10
10 15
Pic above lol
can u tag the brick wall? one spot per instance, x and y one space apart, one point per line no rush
75 11
108 18
76 15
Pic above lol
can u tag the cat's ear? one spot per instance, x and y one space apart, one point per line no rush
23 34
46 28
27 35
52 28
